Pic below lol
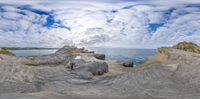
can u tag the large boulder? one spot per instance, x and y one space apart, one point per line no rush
99 56
87 51
96 68
128 64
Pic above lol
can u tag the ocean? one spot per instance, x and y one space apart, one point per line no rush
138 56
33 52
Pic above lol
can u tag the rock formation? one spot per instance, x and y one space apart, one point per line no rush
99 56
172 73
128 64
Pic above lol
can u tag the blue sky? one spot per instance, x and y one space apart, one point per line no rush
109 23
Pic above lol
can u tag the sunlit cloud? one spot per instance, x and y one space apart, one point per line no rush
112 23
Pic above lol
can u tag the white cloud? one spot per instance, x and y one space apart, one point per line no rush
139 23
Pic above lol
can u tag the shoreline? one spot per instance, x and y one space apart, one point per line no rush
162 77
111 54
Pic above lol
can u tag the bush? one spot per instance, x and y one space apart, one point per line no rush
6 52
188 46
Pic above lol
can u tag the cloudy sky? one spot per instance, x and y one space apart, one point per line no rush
109 23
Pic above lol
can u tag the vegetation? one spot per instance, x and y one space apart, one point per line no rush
188 46
6 52
163 53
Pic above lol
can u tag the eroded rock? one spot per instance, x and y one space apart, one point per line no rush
96 68
172 73
99 56
128 64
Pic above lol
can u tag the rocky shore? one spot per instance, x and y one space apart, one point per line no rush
172 74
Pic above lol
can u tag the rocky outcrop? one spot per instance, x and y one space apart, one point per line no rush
99 56
78 62
128 64
30 74
47 60
172 73
94 68
87 51
97 68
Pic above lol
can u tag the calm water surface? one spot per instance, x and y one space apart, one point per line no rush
33 52
138 56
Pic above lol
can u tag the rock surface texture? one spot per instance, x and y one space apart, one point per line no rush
171 74
99 56
128 64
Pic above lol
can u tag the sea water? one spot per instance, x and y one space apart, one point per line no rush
138 56
33 52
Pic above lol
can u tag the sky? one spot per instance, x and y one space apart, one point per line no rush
99 23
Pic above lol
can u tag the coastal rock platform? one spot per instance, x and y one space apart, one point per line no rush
171 74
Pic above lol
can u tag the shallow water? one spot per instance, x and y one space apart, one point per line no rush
33 52
138 56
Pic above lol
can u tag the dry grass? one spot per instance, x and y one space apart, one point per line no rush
188 46
161 56
6 52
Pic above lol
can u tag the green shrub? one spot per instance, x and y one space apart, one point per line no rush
188 46
6 52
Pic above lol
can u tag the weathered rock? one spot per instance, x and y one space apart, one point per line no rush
99 56
87 51
96 68
53 59
172 73
67 49
61 57
79 62
83 48
128 64
83 73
